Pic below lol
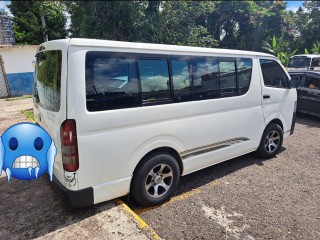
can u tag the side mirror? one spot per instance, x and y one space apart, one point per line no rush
295 82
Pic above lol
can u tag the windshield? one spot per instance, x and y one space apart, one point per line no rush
299 62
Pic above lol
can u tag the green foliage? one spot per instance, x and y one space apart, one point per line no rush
316 48
248 25
115 20
280 49
27 26
29 114
3 12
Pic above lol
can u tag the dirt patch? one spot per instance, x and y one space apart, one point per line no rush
10 113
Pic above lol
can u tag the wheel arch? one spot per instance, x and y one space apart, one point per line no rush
276 121
164 149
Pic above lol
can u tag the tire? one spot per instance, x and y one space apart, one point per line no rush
155 179
271 141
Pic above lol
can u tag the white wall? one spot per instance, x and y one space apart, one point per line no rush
18 59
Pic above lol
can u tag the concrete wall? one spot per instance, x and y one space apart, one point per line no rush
19 68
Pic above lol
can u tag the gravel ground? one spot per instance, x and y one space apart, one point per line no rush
249 197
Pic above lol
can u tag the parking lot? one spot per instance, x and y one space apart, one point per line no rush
244 198
249 197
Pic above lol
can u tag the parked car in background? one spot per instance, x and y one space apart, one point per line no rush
307 84
304 62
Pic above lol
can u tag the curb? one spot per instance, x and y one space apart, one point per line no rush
142 225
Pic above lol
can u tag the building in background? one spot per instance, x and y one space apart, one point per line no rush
6 33
18 64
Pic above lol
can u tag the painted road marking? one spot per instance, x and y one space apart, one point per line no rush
141 224
180 197
233 223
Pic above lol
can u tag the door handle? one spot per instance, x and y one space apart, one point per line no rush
266 96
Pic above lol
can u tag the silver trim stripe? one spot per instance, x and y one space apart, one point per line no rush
211 147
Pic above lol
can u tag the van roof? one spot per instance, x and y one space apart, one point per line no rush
153 47
306 55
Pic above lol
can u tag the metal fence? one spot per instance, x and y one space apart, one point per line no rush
4 87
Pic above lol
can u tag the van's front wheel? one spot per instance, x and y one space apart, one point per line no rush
155 179
271 141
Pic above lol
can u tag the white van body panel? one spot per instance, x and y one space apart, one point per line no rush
280 105
111 143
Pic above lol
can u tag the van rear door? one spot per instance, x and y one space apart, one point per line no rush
49 94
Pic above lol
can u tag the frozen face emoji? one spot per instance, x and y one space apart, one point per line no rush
26 152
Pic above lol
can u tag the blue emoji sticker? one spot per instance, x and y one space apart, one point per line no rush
26 152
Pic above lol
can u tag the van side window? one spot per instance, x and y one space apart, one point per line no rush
295 80
116 80
205 78
315 62
312 82
111 81
48 82
154 78
244 70
182 81
228 77
273 74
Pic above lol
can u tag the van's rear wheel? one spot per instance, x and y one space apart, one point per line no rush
155 179
271 141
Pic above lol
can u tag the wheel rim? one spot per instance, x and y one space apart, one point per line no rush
272 141
159 180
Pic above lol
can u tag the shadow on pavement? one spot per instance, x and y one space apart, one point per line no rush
31 209
197 179
308 120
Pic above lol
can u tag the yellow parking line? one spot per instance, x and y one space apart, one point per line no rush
141 224
180 197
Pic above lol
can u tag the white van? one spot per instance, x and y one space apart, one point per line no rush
304 62
134 117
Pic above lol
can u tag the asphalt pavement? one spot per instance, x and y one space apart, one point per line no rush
249 197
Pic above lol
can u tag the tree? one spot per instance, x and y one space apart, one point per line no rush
185 23
307 25
27 28
114 20
3 12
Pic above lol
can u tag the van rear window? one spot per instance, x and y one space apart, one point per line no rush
48 79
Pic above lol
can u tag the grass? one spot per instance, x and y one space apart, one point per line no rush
29 114
18 98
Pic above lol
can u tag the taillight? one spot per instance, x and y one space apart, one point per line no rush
69 145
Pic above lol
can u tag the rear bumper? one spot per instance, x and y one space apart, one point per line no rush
76 199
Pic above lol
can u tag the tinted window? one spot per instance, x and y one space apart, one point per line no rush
124 80
312 82
48 82
154 77
273 74
182 85
299 62
206 78
244 67
295 80
228 80
111 81
315 62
